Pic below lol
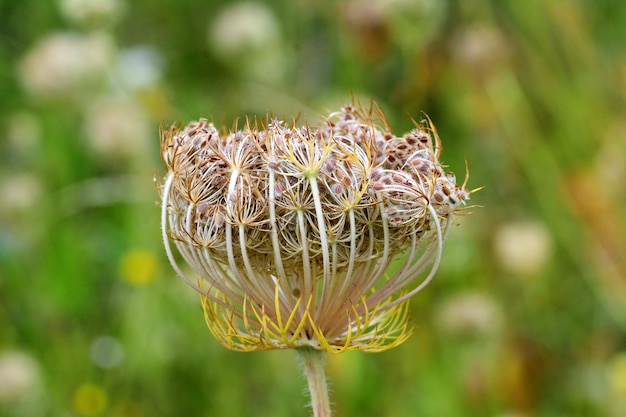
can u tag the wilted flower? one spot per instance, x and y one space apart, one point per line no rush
308 235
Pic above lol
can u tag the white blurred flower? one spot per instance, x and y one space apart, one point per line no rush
91 12
470 313
117 127
63 62
481 50
107 352
523 248
19 192
241 27
140 66
19 376
247 36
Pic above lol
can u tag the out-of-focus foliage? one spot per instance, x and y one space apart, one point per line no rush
528 313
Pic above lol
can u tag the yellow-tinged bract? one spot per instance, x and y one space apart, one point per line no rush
293 229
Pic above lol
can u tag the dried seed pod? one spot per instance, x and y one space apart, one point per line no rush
292 229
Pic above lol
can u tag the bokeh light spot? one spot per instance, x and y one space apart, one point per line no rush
138 267
107 352
19 376
617 375
90 400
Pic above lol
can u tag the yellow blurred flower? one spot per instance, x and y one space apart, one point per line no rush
90 400
617 375
138 267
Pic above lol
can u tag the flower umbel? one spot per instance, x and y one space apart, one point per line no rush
311 235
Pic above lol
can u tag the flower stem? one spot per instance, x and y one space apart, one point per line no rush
313 361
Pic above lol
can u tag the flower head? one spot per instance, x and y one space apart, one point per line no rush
310 235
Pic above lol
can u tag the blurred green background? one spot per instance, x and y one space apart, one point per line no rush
527 315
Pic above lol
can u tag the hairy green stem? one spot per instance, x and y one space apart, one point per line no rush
313 361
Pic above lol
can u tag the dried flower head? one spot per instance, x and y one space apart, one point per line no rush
309 235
